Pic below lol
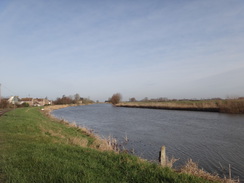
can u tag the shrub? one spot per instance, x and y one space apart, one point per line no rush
116 98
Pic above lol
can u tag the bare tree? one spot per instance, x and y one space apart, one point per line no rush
145 99
116 98
77 98
133 99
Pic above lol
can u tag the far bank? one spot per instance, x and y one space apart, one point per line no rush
232 106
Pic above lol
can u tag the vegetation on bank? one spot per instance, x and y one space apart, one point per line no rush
234 106
115 99
36 148
72 99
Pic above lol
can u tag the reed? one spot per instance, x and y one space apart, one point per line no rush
235 106
192 168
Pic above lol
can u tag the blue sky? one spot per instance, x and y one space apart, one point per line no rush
157 48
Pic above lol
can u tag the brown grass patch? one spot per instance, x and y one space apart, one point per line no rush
78 141
170 162
103 144
233 106
207 106
99 143
52 133
193 169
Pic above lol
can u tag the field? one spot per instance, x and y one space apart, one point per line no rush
36 148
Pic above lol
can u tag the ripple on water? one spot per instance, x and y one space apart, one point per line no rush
210 139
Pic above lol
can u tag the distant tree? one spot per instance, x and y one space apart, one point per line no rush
77 98
25 105
145 99
133 99
109 100
64 100
116 98
87 101
4 104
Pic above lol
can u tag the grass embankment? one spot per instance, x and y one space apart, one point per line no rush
35 148
234 106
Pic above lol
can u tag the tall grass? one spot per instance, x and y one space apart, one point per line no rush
235 106
35 148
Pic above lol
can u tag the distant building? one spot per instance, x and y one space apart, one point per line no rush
36 101
29 101
14 100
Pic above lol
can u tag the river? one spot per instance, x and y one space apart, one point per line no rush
213 140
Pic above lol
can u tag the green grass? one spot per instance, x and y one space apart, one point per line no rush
35 148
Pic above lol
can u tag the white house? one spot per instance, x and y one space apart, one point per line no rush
14 100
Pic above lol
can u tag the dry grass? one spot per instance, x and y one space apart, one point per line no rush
234 106
50 108
112 142
193 169
78 141
170 162
99 143
171 105
52 133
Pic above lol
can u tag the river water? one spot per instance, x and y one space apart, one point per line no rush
213 140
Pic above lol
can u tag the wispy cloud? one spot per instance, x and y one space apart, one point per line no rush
139 43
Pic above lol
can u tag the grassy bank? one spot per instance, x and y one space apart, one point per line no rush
234 106
35 148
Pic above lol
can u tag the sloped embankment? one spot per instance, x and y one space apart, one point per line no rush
35 148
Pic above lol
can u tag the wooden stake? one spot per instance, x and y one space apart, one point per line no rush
229 172
162 156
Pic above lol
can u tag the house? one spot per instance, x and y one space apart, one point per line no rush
14 100
36 101
42 102
48 102
29 101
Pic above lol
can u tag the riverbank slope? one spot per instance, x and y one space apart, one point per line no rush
35 148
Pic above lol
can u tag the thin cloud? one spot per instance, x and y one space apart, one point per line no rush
137 43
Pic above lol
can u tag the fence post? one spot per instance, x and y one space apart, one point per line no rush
162 156
229 172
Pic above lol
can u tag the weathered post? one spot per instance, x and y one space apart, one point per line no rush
229 172
162 156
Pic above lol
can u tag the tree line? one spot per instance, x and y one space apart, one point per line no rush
72 99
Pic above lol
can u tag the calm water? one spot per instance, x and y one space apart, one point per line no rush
213 140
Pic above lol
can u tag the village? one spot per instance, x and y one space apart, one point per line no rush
26 102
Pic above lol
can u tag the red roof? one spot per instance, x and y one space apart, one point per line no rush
26 99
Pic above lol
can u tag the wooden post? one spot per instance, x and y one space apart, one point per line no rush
229 172
162 156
